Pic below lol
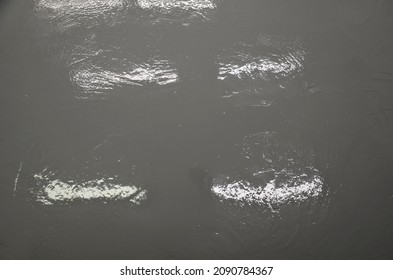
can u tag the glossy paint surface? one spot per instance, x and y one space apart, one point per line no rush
196 129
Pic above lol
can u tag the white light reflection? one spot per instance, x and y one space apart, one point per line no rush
72 13
94 79
56 191
81 5
254 73
162 12
276 192
281 169
98 69
245 66
179 4
257 68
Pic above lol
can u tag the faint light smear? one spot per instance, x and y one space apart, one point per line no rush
179 4
53 190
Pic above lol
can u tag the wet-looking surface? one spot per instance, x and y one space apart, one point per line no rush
196 129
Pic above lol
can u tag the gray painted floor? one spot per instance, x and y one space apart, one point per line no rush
199 129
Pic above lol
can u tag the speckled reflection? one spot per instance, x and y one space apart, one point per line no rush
178 11
281 170
51 190
97 75
97 69
287 186
254 72
61 16
93 79
171 4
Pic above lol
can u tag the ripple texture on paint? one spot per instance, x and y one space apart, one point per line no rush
280 170
255 72
96 70
179 4
65 15
163 12
286 187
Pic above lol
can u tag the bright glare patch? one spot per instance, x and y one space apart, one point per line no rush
93 79
80 4
275 192
179 4
245 67
255 73
55 191
58 8
71 13
96 70
281 170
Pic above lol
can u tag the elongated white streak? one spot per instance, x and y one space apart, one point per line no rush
20 170
17 176
54 190
179 4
